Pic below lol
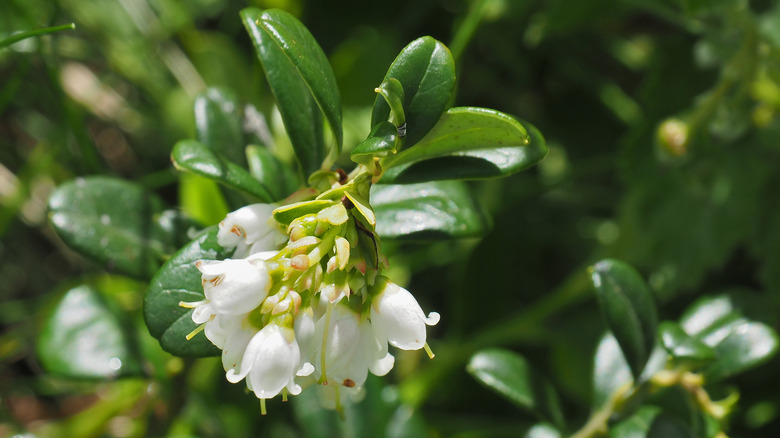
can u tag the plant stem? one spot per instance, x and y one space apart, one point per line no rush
24 35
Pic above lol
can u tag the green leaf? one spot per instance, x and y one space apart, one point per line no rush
610 370
468 143
288 213
180 280
382 141
393 93
195 157
218 124
739 343
628 309
426 70
649 422
682 347
272 173
745 345
542 430
113 222
201 198
301 79
510 375
427 211
83 337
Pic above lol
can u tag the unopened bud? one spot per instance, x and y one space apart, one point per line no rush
300 262
673 137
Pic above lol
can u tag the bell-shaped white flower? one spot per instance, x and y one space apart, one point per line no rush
270 363
351 348
232 287
398 319
250 230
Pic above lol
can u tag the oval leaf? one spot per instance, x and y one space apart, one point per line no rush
301 79
195 157
218 124
180 280
468 143
510 375
740 345
426 71
113 222
682 347
427 211
276 176
628 308
82 337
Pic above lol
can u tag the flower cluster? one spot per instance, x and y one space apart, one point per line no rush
303 300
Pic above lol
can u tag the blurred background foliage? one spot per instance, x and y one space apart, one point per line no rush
660 115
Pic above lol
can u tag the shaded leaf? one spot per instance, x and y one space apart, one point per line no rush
301 79
468 143
276 176
218 124
113 222
180 280
426 71
510 375
382 141
427 211
628 309
195 157
83 337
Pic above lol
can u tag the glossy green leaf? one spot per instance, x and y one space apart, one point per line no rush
82 336
195 157
426 71
628 309
218 124
468 143
739 343
301 79
745 345
682 347
288 213
382 141
510 375
276 176
610 370
180 280
201 198
113 222
427 211
542 430
393 93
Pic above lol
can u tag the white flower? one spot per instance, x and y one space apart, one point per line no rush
250 230
351 348
398 319
231 287
270 363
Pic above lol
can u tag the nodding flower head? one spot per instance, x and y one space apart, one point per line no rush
397 318
250 230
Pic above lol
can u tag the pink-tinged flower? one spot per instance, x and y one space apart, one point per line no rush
250 230
398 319
270 363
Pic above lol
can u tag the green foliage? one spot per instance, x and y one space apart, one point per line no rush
299 76
179 281
658 158
628 309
